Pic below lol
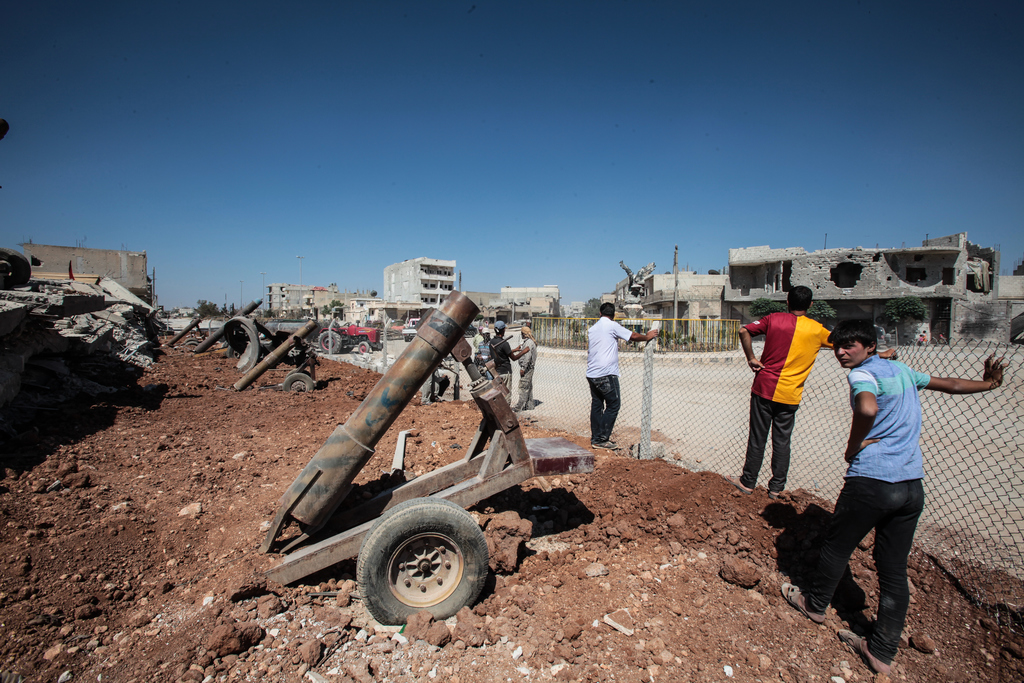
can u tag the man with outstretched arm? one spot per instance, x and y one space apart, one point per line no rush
603 374
883 488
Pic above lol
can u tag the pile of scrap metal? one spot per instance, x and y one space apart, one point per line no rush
45 322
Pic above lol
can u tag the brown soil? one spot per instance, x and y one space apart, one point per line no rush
110 577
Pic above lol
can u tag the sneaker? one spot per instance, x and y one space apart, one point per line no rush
606 445
774 494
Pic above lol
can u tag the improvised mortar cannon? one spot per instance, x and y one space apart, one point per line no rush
417 547
181 335
219 334
301 379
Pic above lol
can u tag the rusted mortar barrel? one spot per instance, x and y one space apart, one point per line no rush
216 336
275 356
326 480
188 328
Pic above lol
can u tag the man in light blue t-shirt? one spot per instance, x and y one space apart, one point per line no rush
603 374
883 488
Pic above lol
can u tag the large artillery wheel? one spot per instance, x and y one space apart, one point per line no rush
423 554
20 270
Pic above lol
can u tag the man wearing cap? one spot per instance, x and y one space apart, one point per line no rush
527 362
503 354
603 374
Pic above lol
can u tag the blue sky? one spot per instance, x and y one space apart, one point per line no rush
534 142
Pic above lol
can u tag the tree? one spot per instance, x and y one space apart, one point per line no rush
762 306
905 308
207 309
326 310
821 311
592 309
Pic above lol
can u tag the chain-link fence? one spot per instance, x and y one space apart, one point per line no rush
698 414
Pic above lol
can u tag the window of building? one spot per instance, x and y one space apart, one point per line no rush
949 276
915 275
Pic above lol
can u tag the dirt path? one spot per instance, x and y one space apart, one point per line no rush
142 564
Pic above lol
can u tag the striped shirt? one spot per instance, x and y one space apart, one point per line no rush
791 346
897 456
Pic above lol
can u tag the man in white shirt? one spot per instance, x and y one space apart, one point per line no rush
603 374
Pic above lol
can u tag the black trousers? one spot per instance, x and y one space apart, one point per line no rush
765 415
892 510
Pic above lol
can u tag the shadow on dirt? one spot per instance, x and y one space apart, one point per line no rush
798 547
40 425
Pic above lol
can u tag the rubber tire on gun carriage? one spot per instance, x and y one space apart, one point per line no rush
298 382
423 554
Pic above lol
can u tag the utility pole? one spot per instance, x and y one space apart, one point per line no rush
675 292
300 283
263 292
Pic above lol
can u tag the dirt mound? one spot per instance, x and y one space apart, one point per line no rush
132 522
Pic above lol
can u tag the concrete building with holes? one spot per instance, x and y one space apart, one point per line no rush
285 299
421 281
955 279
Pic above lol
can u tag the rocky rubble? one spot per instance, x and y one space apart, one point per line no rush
49 329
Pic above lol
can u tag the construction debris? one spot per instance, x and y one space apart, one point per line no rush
48 330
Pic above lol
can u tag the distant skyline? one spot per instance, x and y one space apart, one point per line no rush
533 143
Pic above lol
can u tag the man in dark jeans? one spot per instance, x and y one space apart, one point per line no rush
883 489
603 374
791 344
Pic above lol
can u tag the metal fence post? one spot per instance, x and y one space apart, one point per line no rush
647 402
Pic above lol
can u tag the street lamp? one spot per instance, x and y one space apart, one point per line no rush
241 299
263 292
300 282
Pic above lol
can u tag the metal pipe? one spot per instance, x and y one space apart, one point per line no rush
188 328
326 480
275 356
216 336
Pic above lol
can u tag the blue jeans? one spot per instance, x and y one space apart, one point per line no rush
892 510
604 407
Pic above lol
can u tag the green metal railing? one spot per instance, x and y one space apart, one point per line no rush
676 334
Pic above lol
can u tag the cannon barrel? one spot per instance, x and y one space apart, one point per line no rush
216 336
326 480
275 356
188 328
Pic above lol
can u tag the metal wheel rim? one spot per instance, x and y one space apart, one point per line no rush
425 570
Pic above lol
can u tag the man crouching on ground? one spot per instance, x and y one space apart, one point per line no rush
883 488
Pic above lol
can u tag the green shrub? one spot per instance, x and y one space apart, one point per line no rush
821 311
762 306
905 308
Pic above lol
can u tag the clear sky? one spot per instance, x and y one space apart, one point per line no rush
534 142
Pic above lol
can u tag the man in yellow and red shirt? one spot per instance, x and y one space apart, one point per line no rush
791 345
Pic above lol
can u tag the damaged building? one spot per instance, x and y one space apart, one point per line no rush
63 337
956 280
693 295
126 268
